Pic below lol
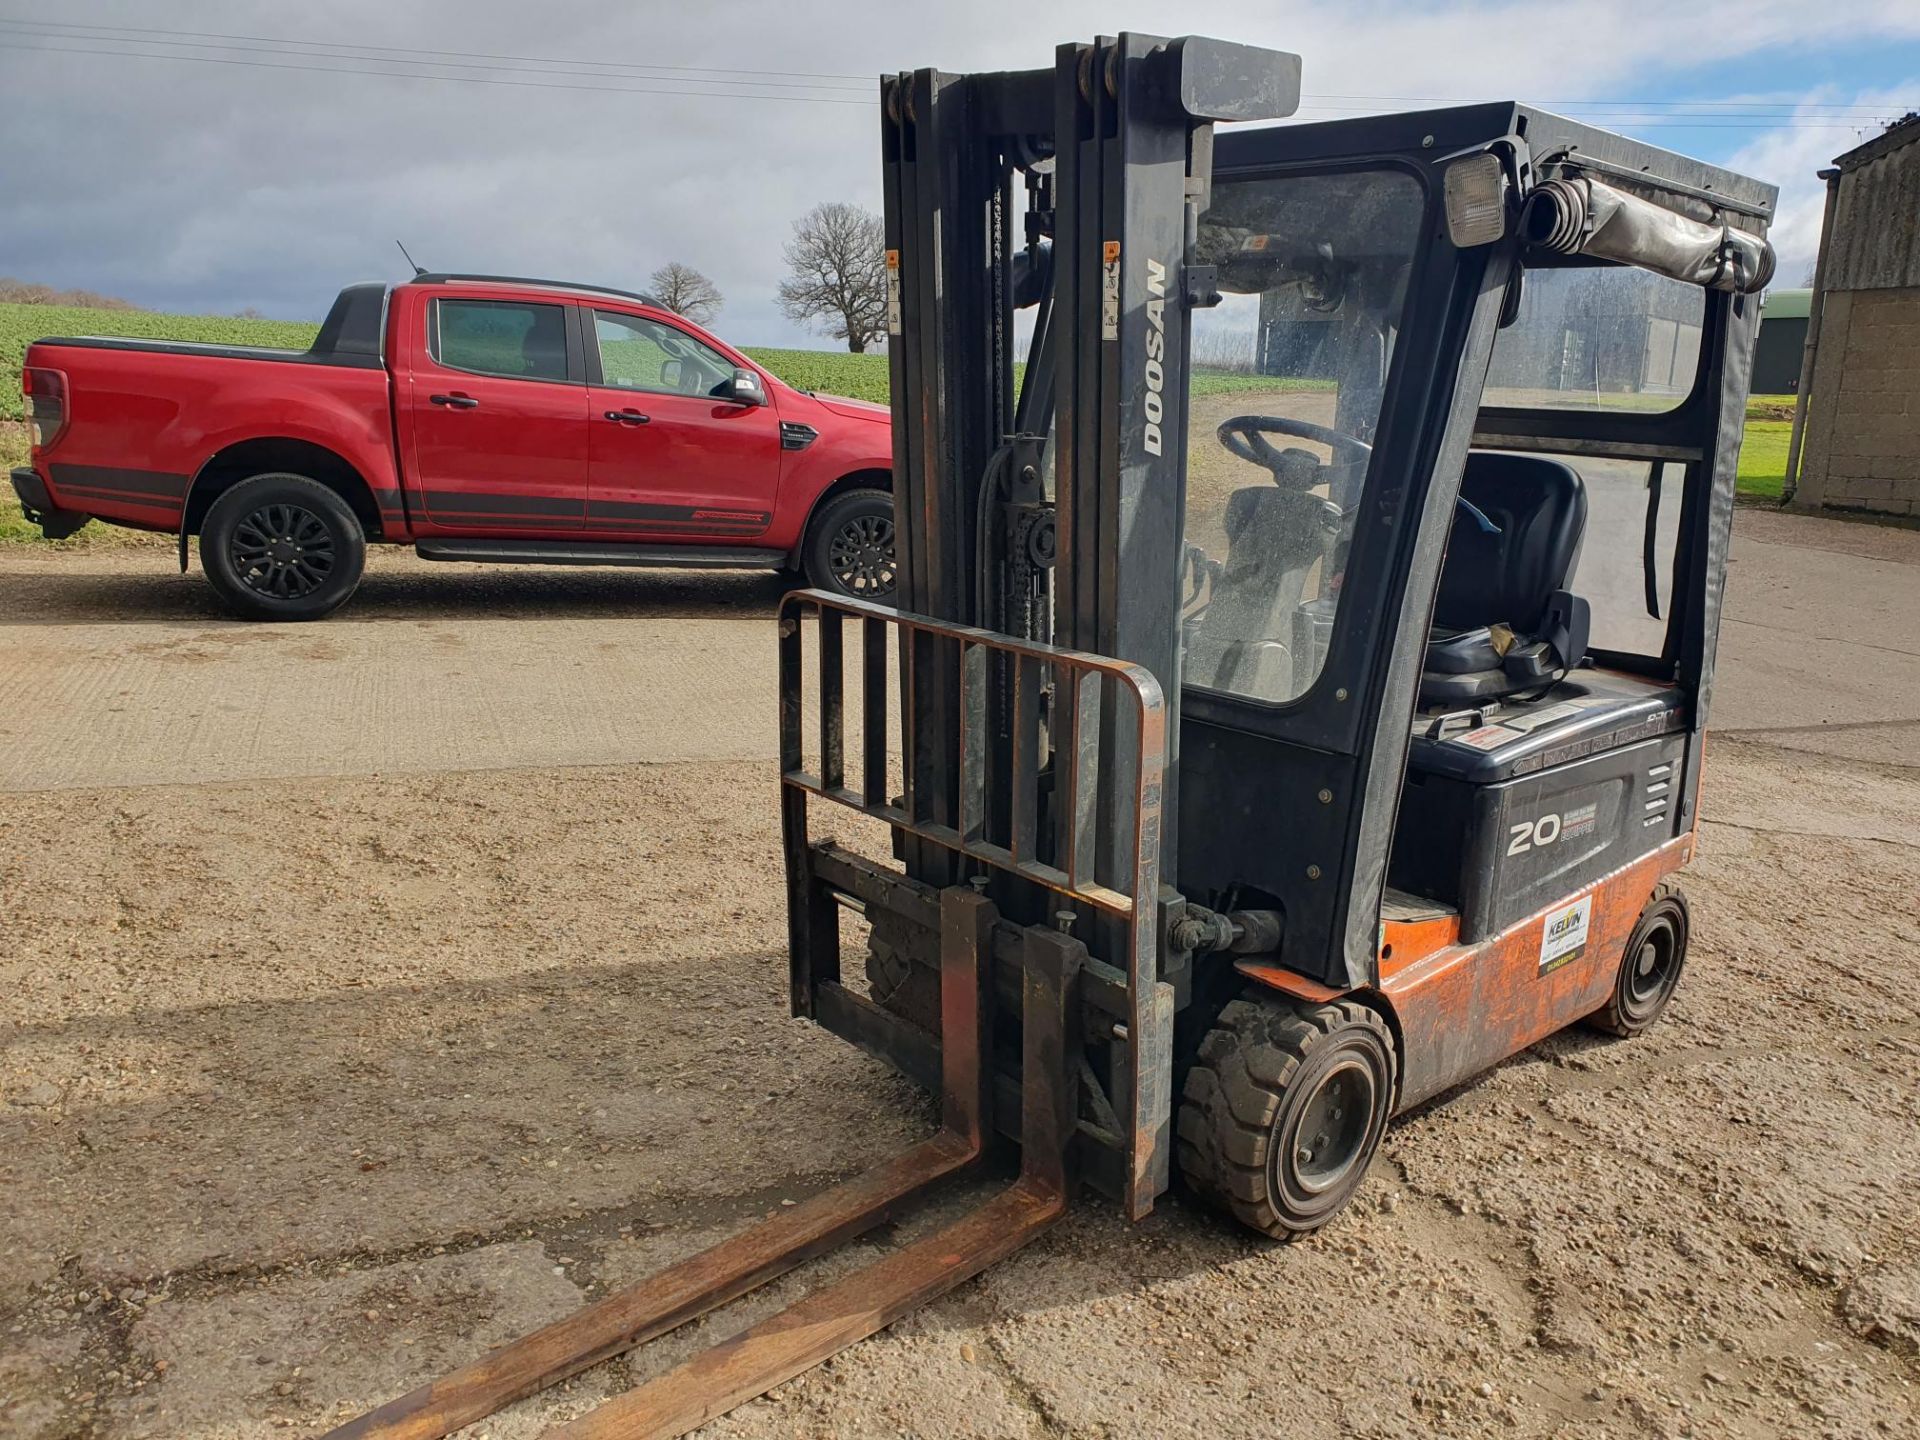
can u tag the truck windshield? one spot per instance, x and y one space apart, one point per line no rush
1287 379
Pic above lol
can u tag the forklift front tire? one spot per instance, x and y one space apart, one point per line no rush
1284 1109
1650 967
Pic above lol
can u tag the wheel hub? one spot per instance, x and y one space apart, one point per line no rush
861 556
1651 966
283 551
1333 1126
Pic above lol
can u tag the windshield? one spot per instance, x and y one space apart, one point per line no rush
1288 374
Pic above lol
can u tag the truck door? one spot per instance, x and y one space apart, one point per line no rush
670 460
498 404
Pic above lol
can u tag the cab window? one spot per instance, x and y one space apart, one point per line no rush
1598 337
641 354
501 337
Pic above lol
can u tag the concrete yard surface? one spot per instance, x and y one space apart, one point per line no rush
375 991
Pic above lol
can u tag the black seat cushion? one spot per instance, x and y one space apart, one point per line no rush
1539 507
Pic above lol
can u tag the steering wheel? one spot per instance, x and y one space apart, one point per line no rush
1245 437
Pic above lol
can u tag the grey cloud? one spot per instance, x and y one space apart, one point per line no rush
212 186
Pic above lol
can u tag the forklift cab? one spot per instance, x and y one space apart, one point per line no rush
1319 631
1485 648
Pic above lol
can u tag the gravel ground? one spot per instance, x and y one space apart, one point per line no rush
311 1087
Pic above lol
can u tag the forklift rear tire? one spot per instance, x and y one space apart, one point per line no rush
1650 968
1284 1109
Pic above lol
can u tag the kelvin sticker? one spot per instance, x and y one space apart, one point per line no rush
1564 936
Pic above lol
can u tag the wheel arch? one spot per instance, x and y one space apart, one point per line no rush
870 478
264 454
1298 987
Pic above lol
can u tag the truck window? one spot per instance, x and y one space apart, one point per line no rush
501 337
641 354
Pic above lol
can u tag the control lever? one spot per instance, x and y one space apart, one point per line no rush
1466 719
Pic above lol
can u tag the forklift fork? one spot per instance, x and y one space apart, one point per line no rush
853 1308
1120 762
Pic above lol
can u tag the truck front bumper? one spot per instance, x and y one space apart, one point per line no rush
54 523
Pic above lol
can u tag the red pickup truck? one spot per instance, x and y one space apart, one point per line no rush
471 417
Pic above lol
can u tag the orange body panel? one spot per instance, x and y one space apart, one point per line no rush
1467 1007
1405 942
1464 1008
1278 977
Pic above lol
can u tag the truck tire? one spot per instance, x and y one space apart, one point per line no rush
1650 967
1284 1108
849 546
282 547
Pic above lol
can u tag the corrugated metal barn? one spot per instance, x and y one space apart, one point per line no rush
1857 428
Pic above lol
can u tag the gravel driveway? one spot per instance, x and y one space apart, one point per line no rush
376 990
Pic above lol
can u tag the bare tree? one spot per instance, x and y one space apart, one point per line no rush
31 292
838 273
685 291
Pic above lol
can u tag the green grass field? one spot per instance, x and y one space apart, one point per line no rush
1763 458
861 377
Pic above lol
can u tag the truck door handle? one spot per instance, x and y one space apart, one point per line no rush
628 417
456 400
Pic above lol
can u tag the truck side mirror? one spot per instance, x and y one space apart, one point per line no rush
744 388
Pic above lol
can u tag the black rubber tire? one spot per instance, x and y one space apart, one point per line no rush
839 554
312 590
1650 966
1267 1065
899 978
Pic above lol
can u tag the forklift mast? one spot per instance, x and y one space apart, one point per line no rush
1114 147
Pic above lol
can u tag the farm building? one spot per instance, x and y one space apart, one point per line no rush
1856 439
1783 339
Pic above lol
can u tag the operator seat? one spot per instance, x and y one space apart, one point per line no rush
1504 620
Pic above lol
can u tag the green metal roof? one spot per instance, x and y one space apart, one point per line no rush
1785 304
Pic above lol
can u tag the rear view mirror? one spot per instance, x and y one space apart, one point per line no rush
743 388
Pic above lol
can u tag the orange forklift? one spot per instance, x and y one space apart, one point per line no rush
1297 697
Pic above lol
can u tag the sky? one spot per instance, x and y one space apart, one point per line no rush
211 155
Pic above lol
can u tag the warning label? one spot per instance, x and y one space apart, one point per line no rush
1110 290
1487 737
1563 936
893 292
1534 719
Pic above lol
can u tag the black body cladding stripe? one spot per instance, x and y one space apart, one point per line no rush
144 487
547 510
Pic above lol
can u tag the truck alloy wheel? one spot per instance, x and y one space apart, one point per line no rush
282 547
850 546
285 551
